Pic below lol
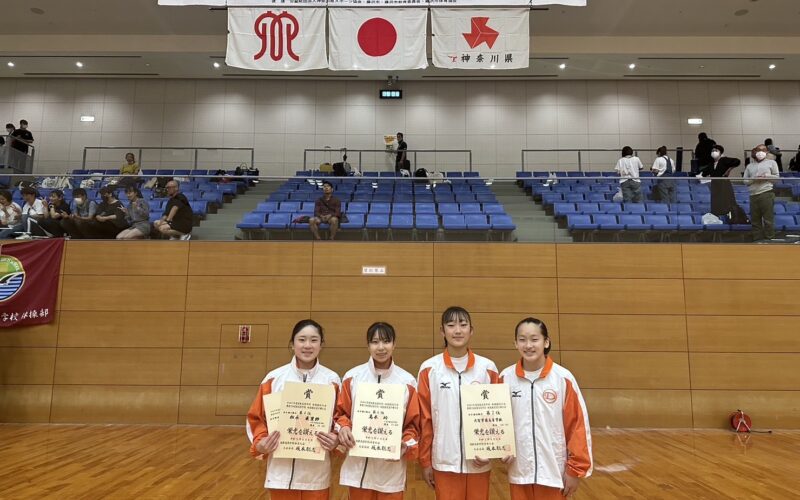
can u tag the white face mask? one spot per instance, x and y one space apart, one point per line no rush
79 201
760 155
715 155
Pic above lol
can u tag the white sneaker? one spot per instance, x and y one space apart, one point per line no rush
186 237
24 236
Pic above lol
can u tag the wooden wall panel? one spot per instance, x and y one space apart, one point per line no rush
496 330
746 371
349 329
638 408
205 328
201 367
347 259
123 293
25 403
249 258
527 296
495 260
110 258
198 406
26 365
234 400
743 333
620 296
31 336
249 293
259 336
618 370
743 297
121 329
603 332
104 366
372 293
620 261
114 404
242 366
741 261
410 359
768 409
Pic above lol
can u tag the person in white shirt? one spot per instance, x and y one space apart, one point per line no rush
10 212
759 176
32 211
628 169
663 167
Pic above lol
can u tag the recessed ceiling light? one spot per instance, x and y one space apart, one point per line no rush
10 64
562 66
79 64
695 121
631 66
772 66
216 65
87 118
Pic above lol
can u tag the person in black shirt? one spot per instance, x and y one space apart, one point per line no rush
9 131
109 219
702 152
178 218
22 136
401 161
57 211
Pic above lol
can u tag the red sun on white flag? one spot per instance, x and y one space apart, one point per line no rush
377 37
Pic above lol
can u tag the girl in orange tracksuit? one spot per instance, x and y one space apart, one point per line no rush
551 426
453 475
294 479
370 478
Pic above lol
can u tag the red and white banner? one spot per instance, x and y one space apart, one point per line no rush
371 3
377 39
276 39
480 38
29 274
212 3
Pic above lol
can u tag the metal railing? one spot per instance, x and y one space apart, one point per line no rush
580 153
12 158
391 152
194 161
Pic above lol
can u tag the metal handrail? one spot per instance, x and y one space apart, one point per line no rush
388 151
6 154
595 150
183 148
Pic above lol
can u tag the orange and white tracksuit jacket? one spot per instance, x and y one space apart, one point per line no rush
375 474
285 473
438 384
551 426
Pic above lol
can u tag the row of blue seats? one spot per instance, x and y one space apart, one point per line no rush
564 209
161 172
385 208
633 222
552 198
388 188
199 208
383 197
93 194
386 173
455 222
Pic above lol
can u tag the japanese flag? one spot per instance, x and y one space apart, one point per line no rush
480 38
276 39
377 39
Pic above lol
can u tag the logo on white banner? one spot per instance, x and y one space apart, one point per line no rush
283 29
480 33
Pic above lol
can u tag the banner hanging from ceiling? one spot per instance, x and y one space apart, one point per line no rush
480 38
372 3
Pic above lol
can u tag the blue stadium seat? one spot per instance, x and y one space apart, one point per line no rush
685 223
657 208
588 208
493 209
633 208
502 222
379 208
633 222
470 208
424 208
453 222
252 220
448 208
659 223
607 222
610 208
278 220
377 220
289 206
402 221
564 209
581 222
357 207
785 222
477 222
267 206
426 221
354 221
199 207
402 208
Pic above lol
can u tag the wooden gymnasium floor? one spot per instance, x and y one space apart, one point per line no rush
116 461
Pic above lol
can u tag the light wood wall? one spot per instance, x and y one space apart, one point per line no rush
657 335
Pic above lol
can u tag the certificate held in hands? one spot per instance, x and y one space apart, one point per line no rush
306 409
488 421
378 413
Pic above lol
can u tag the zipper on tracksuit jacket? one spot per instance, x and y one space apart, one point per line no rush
460 426
533 428
366 460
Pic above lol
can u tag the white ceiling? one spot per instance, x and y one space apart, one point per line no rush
142 39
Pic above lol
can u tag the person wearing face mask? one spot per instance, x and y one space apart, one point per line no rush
82 211
109 219
758 176
723 200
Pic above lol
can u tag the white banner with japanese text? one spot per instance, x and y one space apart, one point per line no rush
480 38
372 3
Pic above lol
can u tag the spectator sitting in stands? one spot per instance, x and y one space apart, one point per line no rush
137 215
57 211
178 218
130 167
628 169
32 212
109 219
10 212
82 212
327 210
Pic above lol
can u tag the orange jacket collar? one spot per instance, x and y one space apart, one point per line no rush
448 361
548 365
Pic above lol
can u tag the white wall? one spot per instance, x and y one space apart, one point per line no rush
496 119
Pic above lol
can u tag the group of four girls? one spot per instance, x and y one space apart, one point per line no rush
553 441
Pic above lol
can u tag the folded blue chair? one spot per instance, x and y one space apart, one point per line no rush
354 221
786 222
633 222
380 208
453 222
588 208
564 209
448 208
607 222
581 223
424 208
402 221
477 222
659 223
252 220
199 207
502 222
633 208
493 209
277 220
426 221
470 208
610 208
402 208
657 208
377 220
685 223
289 206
